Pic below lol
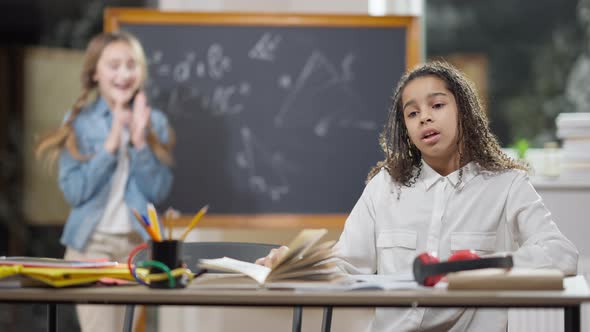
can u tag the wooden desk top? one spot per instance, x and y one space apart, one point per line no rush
576 292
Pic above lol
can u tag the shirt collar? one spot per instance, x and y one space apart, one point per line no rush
429 176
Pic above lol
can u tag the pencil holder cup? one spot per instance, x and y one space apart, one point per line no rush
169 253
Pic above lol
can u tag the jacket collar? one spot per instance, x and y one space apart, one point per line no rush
101 107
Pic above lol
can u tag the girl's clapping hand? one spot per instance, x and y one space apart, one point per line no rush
140 122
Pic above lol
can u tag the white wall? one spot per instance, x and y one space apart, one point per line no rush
376 7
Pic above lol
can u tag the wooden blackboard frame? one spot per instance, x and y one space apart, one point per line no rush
115 17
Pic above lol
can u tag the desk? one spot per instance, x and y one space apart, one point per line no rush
576 292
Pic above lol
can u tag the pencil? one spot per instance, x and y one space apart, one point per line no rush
153 218
145 226
168 223
169 215
195 221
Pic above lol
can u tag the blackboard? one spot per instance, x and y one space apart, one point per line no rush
274 114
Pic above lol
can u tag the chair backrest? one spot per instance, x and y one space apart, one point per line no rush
193 251
249 252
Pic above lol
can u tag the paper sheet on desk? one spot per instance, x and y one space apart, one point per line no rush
401 280
349 283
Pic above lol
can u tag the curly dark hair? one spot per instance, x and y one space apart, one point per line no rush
475 141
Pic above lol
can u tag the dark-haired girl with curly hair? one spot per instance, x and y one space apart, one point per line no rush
444 185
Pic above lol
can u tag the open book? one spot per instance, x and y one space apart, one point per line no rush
306 260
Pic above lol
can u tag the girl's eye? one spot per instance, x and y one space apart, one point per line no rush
412 114
438 105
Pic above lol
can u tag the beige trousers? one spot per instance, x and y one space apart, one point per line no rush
115 247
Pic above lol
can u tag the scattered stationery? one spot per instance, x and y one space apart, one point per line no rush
165 268
194 221
146 225
41 271
151 223
27 261
169 216
306 260
154 221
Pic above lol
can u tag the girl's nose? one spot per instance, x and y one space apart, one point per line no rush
125 73
425 116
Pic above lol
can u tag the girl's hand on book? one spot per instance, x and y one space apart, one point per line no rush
273 256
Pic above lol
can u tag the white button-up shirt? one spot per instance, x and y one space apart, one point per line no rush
486 212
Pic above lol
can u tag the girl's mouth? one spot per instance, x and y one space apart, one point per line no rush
431 137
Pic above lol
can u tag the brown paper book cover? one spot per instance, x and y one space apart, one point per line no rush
502 279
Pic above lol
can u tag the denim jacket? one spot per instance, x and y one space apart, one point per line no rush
86 184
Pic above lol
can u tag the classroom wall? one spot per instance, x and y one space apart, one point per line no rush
377 7
46 103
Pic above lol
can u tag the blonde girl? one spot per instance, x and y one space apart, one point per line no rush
114 154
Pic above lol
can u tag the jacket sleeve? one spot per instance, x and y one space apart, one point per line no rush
81 180
541 244
356 247
153 178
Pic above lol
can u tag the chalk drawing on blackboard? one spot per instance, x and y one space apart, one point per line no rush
200 70
220 101
284 81
264 48
155 58
347 73
218 63
182 70
153 90
180 96
317 65
265 169
205 102
244 89
318 77
163 70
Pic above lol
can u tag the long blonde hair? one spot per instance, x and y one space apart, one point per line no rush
64 136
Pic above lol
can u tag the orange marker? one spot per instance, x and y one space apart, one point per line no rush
147 228
154 222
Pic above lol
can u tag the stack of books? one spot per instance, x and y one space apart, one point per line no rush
574 130
18 271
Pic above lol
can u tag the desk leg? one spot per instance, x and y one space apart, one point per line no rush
297 313
327 319
128 322
52 317
572 318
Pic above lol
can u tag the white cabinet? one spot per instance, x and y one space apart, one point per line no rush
569 202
